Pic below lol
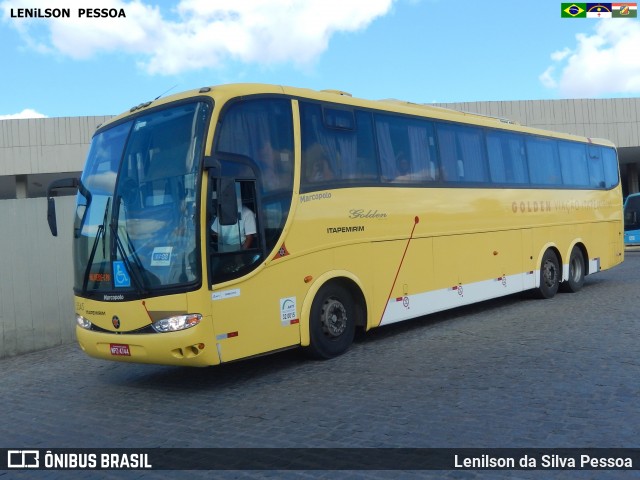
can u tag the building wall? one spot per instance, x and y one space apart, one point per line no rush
36 278
45 145
35 151
36 269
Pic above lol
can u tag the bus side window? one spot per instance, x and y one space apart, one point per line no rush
544 163
261 130
574 165
610 161
596 167
337 147
407 149
507 160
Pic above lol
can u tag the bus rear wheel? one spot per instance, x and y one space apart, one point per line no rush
332 322
549 275
576 272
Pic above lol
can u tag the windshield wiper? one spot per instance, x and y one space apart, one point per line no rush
139 283
99 234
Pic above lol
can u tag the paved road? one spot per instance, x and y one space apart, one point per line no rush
514 372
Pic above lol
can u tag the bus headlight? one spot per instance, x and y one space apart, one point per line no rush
83 322
173 324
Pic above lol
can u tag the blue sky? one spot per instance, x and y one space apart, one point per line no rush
416 50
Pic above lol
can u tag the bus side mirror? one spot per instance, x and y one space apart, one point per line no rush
51 204
51 216
213 165
228 202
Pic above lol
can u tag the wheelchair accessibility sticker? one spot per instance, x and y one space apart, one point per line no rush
121 277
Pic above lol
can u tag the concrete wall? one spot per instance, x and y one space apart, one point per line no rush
45 145
36 151
36 276
36 269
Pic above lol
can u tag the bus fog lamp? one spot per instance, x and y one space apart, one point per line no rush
83 322
174 324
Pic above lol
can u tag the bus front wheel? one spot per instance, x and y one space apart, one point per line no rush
576 272
549 275
332 322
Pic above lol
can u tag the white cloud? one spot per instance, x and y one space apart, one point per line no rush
561 55
605 63
547 78
26 113
199 34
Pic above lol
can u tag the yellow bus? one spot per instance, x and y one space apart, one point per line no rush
237 220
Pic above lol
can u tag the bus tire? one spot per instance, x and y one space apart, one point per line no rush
332 322
576 272
550 275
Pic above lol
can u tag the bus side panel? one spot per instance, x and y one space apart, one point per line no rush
462 269
260 314
617 243
415 274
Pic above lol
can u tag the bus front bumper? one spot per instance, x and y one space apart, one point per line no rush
193 347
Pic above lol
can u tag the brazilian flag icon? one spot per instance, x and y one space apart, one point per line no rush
573 10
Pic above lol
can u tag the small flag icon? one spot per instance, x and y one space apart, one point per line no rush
624 10
573 10
599 10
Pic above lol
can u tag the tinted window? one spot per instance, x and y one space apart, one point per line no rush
340 119
596 167
407 149
337 146
507 159
262 131
462 153
573 164
610 162
544 166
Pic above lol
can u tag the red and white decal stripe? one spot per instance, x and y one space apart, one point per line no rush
411 306
224 336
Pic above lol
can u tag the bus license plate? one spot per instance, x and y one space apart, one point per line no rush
120 350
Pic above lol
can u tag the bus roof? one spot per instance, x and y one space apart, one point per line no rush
227 91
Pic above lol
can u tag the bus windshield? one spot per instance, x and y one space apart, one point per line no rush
135 225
